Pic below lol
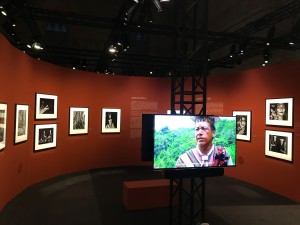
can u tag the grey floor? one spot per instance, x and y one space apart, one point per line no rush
95 197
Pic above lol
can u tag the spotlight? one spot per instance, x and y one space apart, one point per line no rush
270 35
157 4
232 51
113 49
266 56
37 46
3 11
243 46
129 12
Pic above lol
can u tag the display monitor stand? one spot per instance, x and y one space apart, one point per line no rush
187 187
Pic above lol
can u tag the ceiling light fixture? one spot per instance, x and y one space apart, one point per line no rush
37 46
112 49
266 56
3 12
270 35
157 4
232 51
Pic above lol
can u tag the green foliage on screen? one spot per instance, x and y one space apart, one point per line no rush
170 144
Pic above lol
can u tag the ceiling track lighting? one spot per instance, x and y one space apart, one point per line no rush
157 4
266 57
37 46
113 49
232 51
3 11
270 36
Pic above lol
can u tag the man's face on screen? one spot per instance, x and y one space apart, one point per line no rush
203 133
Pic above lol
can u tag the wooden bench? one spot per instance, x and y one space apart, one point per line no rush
146 194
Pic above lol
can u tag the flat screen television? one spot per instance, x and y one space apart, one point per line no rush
185 141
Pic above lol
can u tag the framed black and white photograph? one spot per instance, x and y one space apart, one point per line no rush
111 120
21 123
279 112
45 136
243 125
3 119
79 118
46 106
279 144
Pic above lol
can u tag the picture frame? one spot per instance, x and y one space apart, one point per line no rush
21 123
243 125
111 120
45 136
279 112
78 123
279 145
3 121
45 106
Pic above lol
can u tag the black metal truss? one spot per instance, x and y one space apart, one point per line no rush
188 88
216 40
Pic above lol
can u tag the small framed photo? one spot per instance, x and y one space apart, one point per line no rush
279 112
21 123
79 118
3 119
279 145
243 125
45 136
45 106
111 120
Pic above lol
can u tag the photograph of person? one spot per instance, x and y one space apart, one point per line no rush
241 124
111 120
279 111
45 136
204 141
2 122
278 144
21 123
78 120
1 134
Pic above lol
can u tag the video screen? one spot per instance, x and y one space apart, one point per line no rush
185 141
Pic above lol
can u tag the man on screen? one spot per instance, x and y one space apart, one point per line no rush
205 153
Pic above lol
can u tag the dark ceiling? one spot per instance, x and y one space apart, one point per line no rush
156 37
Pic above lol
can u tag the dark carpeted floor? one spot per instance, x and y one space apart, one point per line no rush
95 197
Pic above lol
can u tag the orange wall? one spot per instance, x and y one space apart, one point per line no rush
22 77
249 90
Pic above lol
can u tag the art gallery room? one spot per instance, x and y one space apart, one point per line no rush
131 112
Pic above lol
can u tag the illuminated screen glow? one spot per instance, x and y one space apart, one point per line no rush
176 142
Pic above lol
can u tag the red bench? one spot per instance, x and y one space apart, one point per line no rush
146 194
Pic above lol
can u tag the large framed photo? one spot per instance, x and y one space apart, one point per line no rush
243 125
46 106
279 112
45 136
3 119
21 123
279 144
111 120
78 120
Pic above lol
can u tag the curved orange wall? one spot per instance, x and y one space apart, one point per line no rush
22 77
248 90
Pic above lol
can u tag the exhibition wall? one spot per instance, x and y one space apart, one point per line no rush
248 91
22 77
